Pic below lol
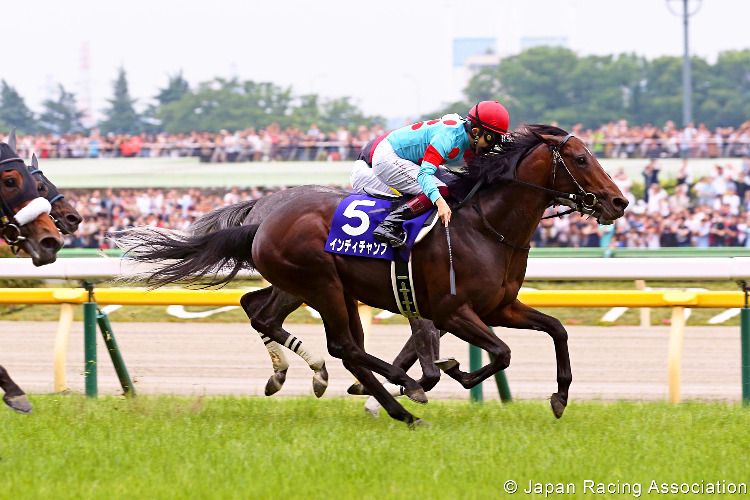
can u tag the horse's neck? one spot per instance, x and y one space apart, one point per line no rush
514 211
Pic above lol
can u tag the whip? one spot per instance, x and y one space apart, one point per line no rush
450 260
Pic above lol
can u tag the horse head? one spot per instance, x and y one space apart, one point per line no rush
25 222
65 215
574 176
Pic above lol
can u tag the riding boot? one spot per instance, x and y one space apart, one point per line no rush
391 230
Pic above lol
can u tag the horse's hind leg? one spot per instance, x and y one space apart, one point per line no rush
381 395
14 396
519 315
267 310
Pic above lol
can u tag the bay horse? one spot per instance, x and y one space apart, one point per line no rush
66 219
25 223
269 307
541 166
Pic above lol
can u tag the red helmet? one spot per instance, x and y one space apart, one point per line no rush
490 115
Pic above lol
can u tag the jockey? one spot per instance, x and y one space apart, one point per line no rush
407 160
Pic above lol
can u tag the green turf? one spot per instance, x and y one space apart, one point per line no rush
180 447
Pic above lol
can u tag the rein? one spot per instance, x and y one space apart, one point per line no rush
582 201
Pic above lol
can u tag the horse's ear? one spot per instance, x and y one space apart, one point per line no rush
34 161
547 139
12 140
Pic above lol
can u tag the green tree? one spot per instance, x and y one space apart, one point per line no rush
121 117
176 87
342 113
13 109
546 84
227 104
61 115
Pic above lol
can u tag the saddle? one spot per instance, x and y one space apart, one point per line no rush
351 234
356 217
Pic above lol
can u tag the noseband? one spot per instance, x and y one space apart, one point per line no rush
583 201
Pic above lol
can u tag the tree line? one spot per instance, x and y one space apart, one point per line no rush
539 85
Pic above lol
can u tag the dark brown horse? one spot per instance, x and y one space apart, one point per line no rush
541 166
66 217
268 308
25 223
67 220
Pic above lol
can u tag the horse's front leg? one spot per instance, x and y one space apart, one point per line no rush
424 344
466 325
14 396
518 315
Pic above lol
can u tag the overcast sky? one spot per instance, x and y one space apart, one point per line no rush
393 57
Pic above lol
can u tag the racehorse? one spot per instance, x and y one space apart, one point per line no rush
541 166
268 308
66 217
67 220
25 223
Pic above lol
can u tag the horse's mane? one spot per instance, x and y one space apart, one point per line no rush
499 167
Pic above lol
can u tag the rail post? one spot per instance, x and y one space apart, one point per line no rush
89 341
114 352
475 363
745 345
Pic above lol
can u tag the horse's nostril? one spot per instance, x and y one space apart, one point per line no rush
53 244
620 203
73 219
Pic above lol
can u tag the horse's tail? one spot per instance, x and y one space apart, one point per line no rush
209 259
221 218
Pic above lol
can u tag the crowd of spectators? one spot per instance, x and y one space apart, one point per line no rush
613 140
710 211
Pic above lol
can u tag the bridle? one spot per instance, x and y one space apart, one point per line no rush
52 193
582 201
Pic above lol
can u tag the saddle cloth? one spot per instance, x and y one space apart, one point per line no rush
354 221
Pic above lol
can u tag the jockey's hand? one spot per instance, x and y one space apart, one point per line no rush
444 211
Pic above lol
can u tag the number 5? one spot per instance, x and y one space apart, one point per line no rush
351 212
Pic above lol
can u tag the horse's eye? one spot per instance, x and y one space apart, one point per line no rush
10 182
581 160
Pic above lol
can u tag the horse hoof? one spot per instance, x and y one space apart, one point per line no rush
357 389
320 381
417 395
275 382
446 364
372 407
419 423
558 405
18 403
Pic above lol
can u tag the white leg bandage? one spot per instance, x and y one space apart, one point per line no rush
278 358
295 345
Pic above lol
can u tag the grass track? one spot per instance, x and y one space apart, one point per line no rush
179 447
